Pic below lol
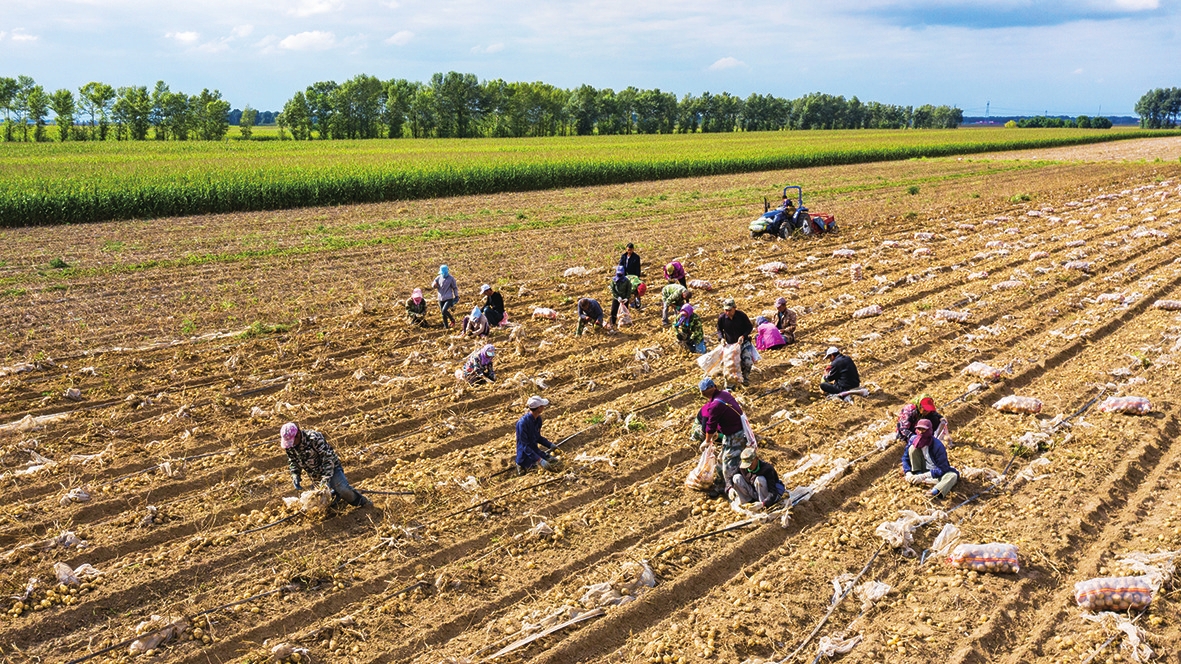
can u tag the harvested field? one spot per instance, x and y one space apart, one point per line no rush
191 340
1147 149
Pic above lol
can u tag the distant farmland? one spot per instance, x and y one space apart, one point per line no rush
82 182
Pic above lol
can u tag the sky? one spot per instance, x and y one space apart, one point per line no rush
1024 57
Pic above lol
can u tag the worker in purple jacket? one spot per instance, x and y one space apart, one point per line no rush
723 414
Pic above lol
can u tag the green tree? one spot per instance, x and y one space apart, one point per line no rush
246 122
457 103
38 102
583 109
97 98
24 87
209 115
132 113
321 104
62 103
298 115
395 104
423 121
8 87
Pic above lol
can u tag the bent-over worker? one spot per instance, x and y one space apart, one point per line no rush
589 312
690 333
309 451
478 366
475 324
529 438
723 414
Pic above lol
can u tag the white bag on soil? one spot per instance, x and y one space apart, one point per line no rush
868 312
982 370
701 284
1129 405
1016 404
1167 305
998 558
1113 593
314 502
169 628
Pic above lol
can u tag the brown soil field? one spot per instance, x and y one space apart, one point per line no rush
190 341
1145 149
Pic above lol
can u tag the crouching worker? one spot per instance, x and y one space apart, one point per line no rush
755 481
767 336
475 324
922 409
477 368
690 333
416 308
590 312
924 461
309 451
529 438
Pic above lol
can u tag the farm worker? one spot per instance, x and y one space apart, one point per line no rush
924 461
673 297
448 292
621 291
638 290
475 323
734 327
767 336
309 451
922 408
588 311
674 271
478 366
723 414
841 374
789 213
493 305
690 333
630 260
529 438
786 320
416 308
755 481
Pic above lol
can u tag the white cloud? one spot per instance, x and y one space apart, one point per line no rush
491 48
1078 71
1137 5
313 7
400 38
2 33
187 37
726 63
315 40
242 31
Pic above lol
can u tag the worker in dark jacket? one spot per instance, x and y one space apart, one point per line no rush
841 374
590 312
493 305
786 320
924 461
755 481
923 408
723 414
309 451
630 261
734 327
621 291
529 438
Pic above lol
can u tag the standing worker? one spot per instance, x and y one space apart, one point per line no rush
309 451
529 438
493 305
841 374
674 271
786 320
756 480
416 308
621 291
589 312
924 461
734 327
723 414
448 292
673 297
630 261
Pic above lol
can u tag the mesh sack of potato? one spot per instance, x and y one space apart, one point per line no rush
314 502
997 557
1114 593
1016 404
1129 405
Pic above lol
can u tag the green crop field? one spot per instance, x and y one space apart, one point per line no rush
80 182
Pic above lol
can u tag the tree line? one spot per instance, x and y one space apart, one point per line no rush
99 112
1055 122
1160 108
455 105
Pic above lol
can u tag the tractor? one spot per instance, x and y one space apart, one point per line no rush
791 219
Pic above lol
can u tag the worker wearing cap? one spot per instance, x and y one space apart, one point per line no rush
841 374
734 327
493 305
785 320
529 438
755 481
673 297
722 414
924 461
309 451
630 261
922 408
674 271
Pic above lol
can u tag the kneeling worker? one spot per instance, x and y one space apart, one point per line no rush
755 481
309 451
924 461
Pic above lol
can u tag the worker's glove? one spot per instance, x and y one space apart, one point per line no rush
322 484
919 478
295 481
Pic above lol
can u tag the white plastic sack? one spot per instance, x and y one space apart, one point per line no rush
831 646
711 362
701 284
702 477
844 253
996 557
1016 404
868 312
576 271
1029 473
1133 644
1008 284
1129 405
870 592
732 363
545 312
1167 305
788 283
773 267
856 272
1114 593
625 315
946 540
168 628
314 502
899 534
65 574
948 314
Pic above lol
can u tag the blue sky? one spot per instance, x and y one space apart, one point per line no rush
1025 57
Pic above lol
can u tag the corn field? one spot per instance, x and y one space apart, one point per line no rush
82 182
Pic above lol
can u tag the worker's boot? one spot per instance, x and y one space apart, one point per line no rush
521 470
364 502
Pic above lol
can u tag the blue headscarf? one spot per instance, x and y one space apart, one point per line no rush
443 270
619 275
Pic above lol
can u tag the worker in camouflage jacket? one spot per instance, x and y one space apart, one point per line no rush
309 451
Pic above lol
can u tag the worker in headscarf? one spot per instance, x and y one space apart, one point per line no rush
478 366
924 461
672 297
734 327
922 408
493 305
756 480
690 332
529 438
416 308
767 336
674 271
475 324
448 294
589 313
723 414
309 452
785 320
621 291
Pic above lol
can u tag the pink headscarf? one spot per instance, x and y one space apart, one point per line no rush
288 435
922 434
416 296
